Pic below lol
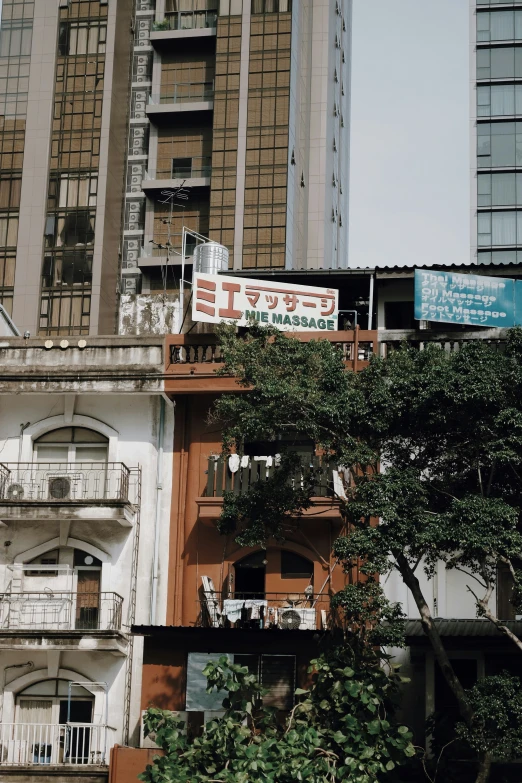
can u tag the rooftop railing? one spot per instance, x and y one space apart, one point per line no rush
187 20
45 744
286 611
60 611
354 346
63 482
223 476
451 342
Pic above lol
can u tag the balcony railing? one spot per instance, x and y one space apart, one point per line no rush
187 20
221 478
450 341
203 348
60 611
40 744
286 611
200 168
187 92
63 482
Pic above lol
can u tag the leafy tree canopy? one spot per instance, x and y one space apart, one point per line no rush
342 728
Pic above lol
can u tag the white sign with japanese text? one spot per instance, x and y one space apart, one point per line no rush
286 306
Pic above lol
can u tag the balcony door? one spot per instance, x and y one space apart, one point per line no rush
72 464
250 576
40 736
87 571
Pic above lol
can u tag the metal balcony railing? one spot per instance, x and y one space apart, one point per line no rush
40 744
201 167
63 482
287 611
184 92
60 611
187 20
221 479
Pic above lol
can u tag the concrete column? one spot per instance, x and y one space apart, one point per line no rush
35 176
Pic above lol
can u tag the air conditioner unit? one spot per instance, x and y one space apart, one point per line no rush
15 492
65 486
148 742
297 619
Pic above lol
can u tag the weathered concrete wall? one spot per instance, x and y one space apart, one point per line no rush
54 774
144 314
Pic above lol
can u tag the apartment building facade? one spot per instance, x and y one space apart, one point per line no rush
239 130
496 109
85 478
63 123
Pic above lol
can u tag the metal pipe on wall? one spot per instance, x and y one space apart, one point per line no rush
159 489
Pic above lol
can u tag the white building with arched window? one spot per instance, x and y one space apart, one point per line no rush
85 473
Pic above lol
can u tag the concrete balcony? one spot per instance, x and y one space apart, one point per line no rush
60 611
194 359
176 182
55 491
184 25
253 611
50 748
62 621
182 97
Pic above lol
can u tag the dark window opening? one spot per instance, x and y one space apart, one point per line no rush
276 673
399 315
294 566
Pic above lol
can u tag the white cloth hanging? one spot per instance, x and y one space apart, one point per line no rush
338 486
233 463
245 460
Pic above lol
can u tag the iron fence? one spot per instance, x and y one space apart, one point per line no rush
41 744
61 611
286 611
59 482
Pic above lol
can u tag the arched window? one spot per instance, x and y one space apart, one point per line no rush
46 702
71 444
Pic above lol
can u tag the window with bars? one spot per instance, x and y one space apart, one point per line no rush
275 673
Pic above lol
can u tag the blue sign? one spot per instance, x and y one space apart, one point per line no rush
474 300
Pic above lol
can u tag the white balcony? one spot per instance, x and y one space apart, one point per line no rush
52 491
182 97
48 745
60 611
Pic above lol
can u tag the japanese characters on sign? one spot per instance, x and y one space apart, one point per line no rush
303 308
452 297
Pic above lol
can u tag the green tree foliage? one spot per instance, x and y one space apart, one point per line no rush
340 729
433 444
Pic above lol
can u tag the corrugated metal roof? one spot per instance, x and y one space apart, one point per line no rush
456 627
367 270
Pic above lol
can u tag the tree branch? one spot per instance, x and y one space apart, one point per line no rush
433 635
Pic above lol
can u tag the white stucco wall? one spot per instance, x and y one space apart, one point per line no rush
134 422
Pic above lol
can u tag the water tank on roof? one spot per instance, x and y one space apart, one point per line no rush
210 258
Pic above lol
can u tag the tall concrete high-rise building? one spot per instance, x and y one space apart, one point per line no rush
496 130
121 123
245 106
63 116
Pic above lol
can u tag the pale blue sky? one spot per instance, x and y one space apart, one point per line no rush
410 152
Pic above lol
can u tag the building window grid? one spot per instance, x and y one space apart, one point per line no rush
67 264
499 25
225 133
264 235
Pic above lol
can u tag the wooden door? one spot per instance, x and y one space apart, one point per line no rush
88 599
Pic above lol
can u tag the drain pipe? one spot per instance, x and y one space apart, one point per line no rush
159 489
30 664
